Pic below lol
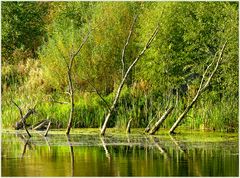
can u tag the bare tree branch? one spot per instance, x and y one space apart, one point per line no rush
19 109
95 89
215 69
126 44
23 118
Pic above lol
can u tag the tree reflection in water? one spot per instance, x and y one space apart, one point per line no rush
71 154
26 142
105 148
183 148
157 144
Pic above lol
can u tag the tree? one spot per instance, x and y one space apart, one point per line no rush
70 82
203 85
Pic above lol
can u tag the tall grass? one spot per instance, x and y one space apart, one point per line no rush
208 113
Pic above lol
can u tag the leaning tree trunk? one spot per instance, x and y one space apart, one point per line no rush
160 121
201 89
112 108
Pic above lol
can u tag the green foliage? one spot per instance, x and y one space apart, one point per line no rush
23 29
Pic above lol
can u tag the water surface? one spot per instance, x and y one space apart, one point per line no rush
117 155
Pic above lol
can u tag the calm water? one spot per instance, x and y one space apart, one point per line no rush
122 155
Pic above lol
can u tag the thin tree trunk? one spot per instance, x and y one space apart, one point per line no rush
19 124
112 108
70 83
72 103
201 88
125 46
160 121
128 130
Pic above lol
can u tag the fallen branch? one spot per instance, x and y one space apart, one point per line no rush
147 129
